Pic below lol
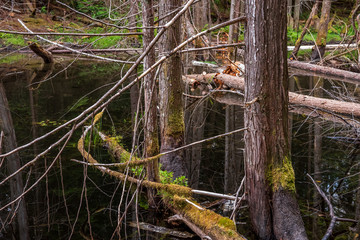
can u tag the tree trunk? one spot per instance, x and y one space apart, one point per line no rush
170 84
233 28
270 179
195 124
297 8
234 158
318 82
13 164
134 90
319 49
151 124
290 19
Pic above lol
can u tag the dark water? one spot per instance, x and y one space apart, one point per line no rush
327 151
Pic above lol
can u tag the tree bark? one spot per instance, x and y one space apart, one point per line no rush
270 179
151 124
13 164
319 50
172 125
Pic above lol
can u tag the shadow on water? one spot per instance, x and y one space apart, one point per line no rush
43 97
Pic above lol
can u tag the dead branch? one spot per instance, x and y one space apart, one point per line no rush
343 107
73 50
328 71
97 20
334 218
71 34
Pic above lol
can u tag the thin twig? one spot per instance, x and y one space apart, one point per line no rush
74 50
71 34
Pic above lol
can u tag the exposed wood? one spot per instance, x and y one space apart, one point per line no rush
342 107
328 71
41 52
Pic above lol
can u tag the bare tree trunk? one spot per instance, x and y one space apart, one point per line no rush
151 124
270 178
233 28
357 211
195 125
172 125
290 19
13 164
318 82
319 49
134 90
297 8
233 173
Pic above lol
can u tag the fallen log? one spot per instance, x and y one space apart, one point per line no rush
348 108
41 52
326 71
177 198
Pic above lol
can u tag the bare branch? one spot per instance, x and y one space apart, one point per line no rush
71 34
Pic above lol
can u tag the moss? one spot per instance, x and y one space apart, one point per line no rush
210 222
282 176
227 223
176 124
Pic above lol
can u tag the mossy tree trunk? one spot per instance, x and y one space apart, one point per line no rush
170 84
151 123
270 179
320 44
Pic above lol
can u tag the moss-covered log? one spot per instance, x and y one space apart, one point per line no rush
177 198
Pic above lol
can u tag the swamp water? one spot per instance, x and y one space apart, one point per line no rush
327 151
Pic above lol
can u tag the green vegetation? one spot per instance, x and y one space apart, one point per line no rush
12 39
